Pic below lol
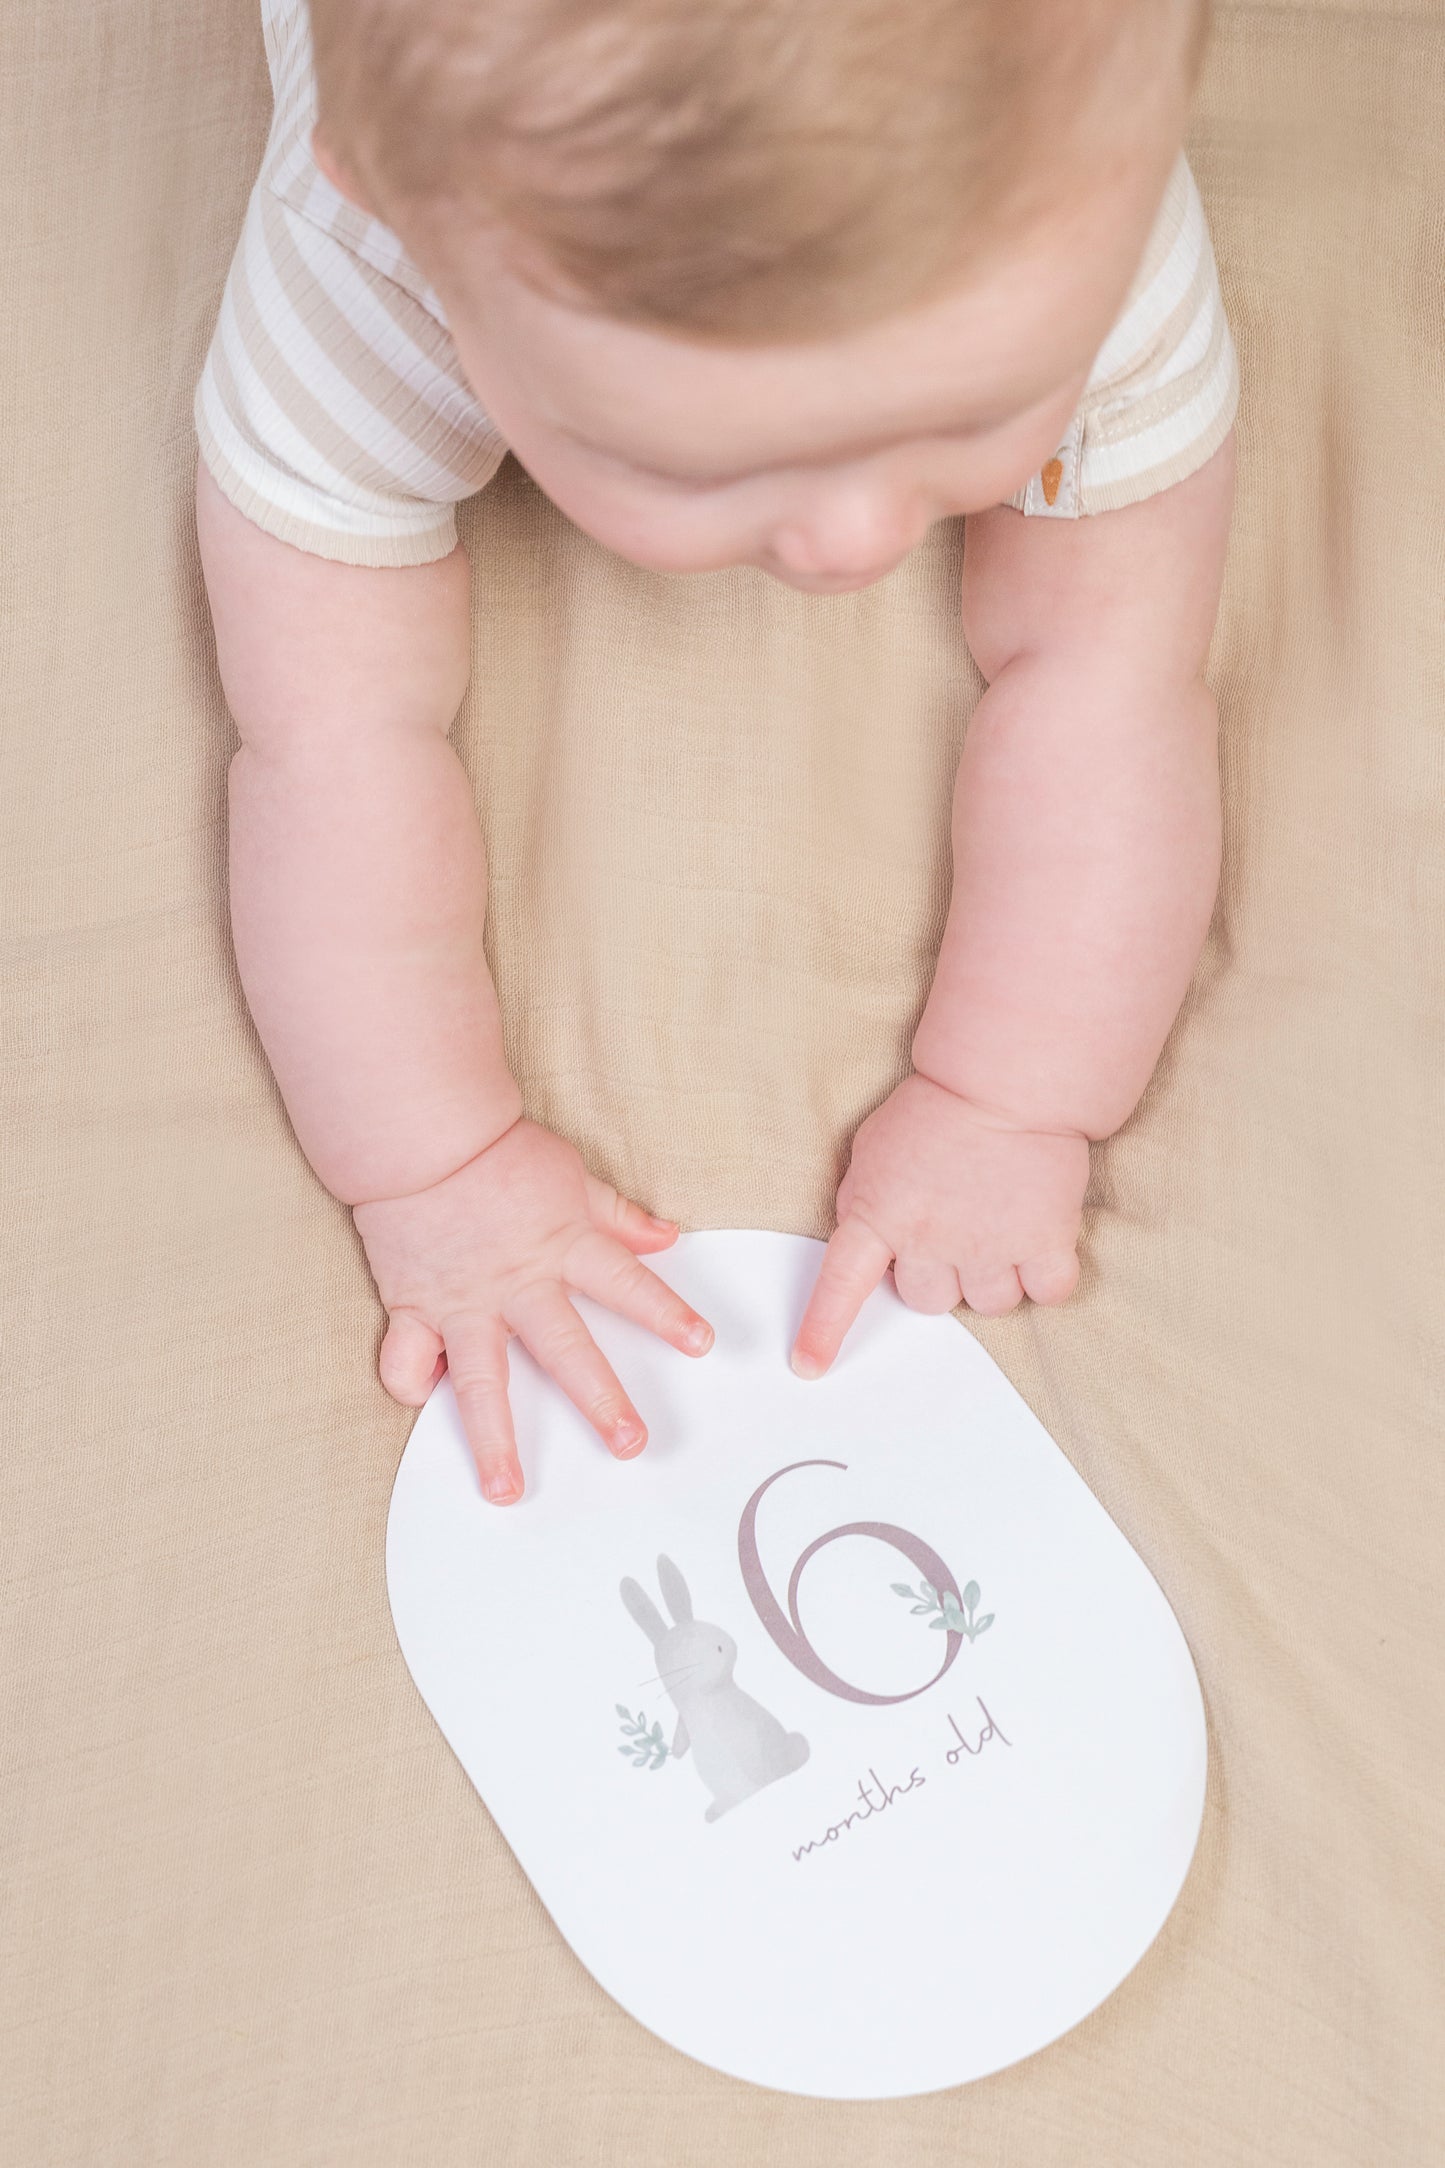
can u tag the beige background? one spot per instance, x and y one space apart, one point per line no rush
253 1913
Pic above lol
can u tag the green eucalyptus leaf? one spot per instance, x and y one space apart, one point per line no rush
926 1588
984 1623
970 1595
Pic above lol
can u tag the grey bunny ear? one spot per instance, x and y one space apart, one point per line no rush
644 1610
674 1590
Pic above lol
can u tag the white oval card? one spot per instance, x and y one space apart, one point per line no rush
845 1738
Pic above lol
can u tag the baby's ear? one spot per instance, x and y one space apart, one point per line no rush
338 171
644 1610
674 1590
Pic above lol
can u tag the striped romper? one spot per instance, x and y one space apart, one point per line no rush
333 411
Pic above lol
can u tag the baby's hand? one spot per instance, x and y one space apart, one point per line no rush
966 1206
495 1249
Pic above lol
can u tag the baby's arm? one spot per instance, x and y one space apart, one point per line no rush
1086 853
358 897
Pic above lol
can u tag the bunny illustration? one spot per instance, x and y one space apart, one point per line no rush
738 1747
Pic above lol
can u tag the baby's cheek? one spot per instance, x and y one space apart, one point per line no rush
663 533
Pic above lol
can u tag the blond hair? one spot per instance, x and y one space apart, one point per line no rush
740 168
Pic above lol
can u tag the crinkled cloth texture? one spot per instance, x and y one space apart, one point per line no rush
253 1914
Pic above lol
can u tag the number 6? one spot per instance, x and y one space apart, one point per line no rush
786 1628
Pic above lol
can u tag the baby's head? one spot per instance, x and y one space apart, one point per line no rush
774 282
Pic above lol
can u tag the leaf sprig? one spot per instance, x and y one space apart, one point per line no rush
644 1748
943 1612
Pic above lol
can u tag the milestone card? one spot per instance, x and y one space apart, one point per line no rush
842 1734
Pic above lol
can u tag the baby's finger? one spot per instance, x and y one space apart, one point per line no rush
992 1294
625 1221
552 1332
926 1285
853 1264
477 1360
411 1358
612 1275
1051 1279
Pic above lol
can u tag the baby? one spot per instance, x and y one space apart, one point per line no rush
763 282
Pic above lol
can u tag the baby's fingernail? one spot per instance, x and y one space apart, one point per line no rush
499 1487
804 1366
665 1225
698 1338
629 1436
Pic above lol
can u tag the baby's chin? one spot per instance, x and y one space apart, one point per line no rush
820 583
844 582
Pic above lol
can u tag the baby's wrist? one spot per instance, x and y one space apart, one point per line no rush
955 1092
994 1113
388 1179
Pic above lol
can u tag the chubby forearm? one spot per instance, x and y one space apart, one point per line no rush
1086 856
358 877
357 903
1086 819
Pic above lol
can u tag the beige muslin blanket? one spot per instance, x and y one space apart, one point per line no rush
253 1914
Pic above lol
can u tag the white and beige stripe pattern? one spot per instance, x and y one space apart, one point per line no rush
1162 393
333 411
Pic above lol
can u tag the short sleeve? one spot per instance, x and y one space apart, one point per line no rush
332 409
1162 394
